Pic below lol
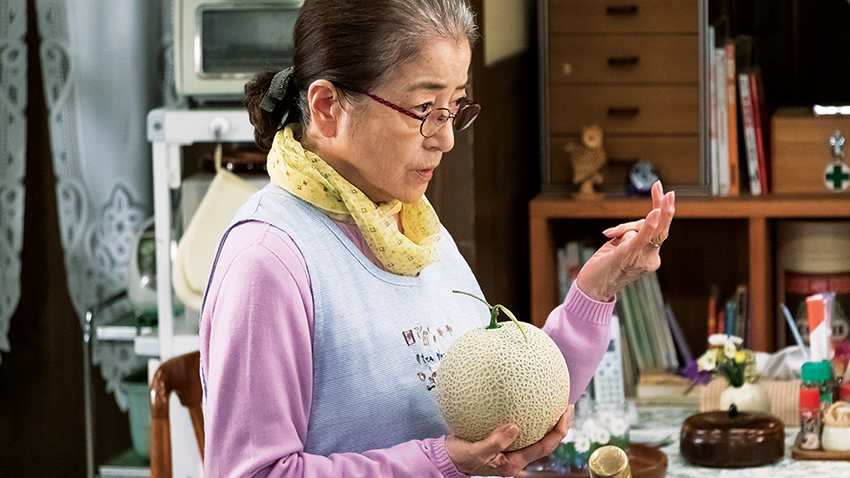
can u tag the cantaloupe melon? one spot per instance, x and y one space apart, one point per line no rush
503 373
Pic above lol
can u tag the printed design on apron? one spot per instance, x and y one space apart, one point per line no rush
428 345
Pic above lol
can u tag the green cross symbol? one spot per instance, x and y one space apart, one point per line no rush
837 176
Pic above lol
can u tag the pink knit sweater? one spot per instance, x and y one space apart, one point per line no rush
258 372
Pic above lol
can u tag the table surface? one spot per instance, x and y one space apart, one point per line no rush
670 419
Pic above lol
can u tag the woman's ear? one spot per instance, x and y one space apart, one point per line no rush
323 100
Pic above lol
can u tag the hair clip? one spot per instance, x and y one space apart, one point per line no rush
277 90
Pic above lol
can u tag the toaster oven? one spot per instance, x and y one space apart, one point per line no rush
220 44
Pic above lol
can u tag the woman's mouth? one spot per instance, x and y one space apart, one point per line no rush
425 174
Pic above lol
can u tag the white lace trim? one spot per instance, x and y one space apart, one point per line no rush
100 82
13 135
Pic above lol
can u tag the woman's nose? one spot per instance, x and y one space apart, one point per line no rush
445 137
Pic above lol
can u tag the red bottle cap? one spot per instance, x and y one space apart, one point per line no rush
809 398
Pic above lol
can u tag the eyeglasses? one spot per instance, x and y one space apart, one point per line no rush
434 120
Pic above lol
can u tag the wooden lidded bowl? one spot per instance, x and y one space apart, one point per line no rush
732 439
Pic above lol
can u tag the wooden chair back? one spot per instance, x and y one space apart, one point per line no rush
180 374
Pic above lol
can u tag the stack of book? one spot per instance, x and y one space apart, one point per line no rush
648 325
728 316
739 153
653 346
570 259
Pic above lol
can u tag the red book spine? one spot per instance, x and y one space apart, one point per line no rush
758 122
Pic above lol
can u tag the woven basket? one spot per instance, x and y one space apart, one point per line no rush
784 398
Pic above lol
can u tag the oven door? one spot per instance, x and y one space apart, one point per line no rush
234 40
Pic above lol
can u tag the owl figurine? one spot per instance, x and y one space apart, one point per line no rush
587 160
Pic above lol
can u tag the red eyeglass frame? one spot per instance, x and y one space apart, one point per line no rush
466 103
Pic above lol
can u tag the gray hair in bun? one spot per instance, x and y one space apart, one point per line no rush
358 45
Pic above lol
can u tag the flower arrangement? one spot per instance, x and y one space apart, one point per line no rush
605 427
723 358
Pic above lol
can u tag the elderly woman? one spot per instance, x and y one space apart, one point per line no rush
331 299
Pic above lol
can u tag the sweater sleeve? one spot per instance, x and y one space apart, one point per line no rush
256 358
580 328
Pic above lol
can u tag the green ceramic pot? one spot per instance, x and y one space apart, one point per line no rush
139 411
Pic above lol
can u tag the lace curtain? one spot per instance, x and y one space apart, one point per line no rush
13 137
102 68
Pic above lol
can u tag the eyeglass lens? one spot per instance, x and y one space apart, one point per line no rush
464 117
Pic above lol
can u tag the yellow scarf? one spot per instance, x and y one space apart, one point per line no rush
307 176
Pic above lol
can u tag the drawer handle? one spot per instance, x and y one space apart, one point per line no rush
623 111
621 10
623 61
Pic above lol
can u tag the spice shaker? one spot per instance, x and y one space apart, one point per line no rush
810 423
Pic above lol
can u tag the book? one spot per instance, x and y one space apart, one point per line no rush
635 332
732 119
665 388
569 263
630 369
647 317
646 325
760 128
721 320
742 304
722 162
731 312
571 257
714 180
749 128
711 322
683 351
728 316
666 344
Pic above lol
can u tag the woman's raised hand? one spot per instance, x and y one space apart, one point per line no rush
488 458
631 251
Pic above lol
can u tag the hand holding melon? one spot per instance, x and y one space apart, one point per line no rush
488 458
503 374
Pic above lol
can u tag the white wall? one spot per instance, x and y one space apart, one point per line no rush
506 28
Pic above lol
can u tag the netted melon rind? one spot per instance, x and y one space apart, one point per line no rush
490 377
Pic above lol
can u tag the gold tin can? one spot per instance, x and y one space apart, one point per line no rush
609 462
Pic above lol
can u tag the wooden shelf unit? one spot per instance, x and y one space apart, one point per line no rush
721 234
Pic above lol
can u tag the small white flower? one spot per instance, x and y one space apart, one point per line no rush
730 349
737 340
601 436
589 427
717 340
582 443
708 361
619 427
606 417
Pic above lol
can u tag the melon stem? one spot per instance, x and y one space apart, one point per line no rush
494 313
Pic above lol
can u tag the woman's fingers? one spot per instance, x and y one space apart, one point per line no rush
647 235
666 203
657 193
487 457
482 457
621 229
661 201
632 249
546 445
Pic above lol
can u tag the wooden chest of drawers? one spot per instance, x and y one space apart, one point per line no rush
631 67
